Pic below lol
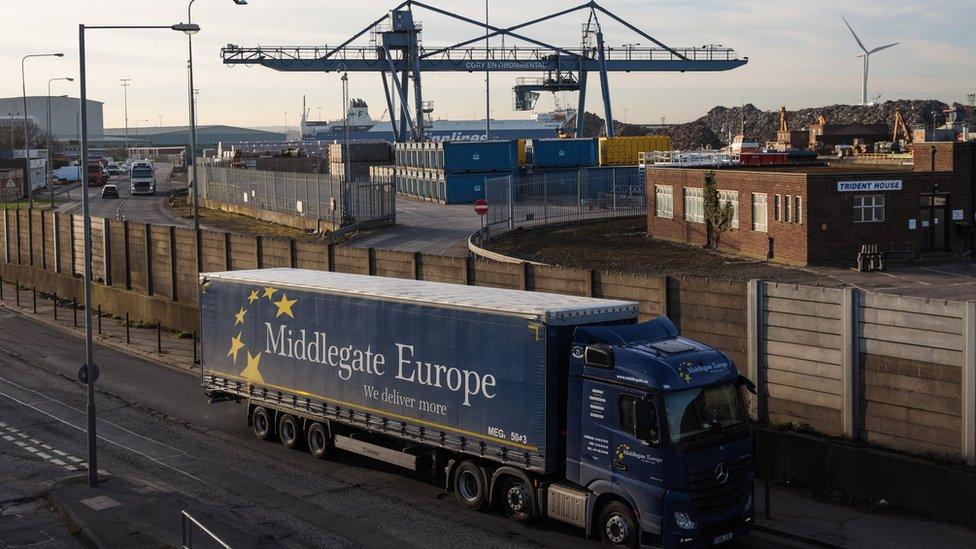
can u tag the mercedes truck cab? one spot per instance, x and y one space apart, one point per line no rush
659 421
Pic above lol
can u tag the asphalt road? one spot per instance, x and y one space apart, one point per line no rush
425 227
143 209
158 431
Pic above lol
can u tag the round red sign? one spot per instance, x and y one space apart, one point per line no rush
481 207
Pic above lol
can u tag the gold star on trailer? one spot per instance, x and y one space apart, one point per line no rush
284 306
236 344
269 291
251 373
253 296
239 317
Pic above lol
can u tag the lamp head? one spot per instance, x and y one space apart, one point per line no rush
187 28
240 2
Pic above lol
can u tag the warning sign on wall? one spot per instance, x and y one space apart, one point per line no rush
12 183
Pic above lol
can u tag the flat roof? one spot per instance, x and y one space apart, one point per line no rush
830 168
551 309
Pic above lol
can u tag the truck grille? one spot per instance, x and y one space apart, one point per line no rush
710 497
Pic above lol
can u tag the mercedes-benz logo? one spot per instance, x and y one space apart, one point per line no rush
721 473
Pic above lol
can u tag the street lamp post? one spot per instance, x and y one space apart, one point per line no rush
23 86
191 175
126 82
89 369
47 165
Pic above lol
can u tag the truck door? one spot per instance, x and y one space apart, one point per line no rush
596 432
638 459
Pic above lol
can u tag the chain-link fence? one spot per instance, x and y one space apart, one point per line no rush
303 194
560 196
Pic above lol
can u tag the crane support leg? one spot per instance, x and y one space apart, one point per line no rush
401 92
604 83
406 119
417 91
581 105
389 107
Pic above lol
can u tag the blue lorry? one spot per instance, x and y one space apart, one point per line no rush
540 405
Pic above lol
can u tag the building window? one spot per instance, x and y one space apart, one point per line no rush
799 209
778 208
789 208
694 205
869 208
759 212
664 201
731 197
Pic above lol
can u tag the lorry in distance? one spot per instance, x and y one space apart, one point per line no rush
541 405
142 179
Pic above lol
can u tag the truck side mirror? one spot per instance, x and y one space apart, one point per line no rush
748 384
645 421
599 355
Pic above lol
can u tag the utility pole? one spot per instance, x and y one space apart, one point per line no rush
125 102
487 79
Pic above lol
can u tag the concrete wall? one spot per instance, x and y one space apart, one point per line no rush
892 371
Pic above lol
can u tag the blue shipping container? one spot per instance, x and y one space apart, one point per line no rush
448 364
564 153
480 156
468 187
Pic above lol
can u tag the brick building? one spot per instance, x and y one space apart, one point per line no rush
809 214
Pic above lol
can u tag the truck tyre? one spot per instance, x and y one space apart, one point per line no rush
470 487
517 500
290 431
318 441
618 527
261 423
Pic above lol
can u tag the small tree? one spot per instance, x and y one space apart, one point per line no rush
718 214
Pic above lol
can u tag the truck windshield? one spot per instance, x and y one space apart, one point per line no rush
142 174
695 412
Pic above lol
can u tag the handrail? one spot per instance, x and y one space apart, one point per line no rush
188 521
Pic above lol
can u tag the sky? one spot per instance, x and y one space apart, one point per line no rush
800 54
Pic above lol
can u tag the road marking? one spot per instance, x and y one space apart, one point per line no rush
178 451
947 273
48 457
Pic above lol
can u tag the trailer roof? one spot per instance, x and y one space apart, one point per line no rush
551 309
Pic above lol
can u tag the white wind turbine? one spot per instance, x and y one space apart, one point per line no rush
866 60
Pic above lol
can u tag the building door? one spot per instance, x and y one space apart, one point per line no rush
933 215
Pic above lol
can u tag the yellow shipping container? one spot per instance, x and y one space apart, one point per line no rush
623 151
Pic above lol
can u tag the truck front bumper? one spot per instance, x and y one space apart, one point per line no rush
715 530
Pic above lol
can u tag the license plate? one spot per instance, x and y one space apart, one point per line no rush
722 539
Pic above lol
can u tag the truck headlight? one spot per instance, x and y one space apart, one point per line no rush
684 521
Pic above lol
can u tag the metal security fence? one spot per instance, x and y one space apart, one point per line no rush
561 196
312 195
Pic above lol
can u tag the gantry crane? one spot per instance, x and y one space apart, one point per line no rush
396 51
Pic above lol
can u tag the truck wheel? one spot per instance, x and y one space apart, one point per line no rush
261 423
618 527
470 486
517 500
289 431
319 442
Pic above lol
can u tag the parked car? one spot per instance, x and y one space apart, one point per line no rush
110 191
113 168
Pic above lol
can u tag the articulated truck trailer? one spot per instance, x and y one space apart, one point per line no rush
540 405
